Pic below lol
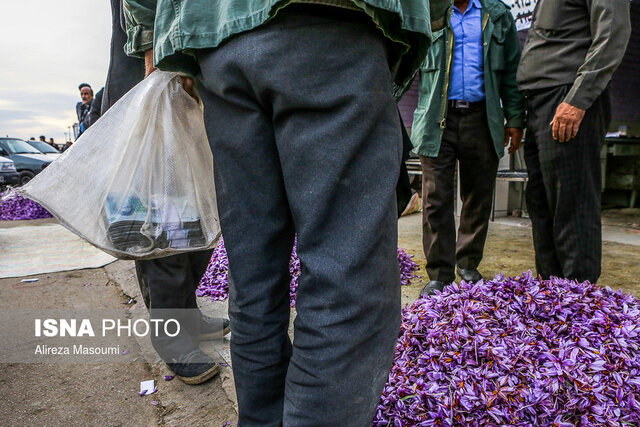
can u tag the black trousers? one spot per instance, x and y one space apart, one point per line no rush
563 192
167 284
306 138
466 141
124 71
168 287
403 189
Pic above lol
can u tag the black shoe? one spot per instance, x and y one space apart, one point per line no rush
469 275
432 287
194 367
213 328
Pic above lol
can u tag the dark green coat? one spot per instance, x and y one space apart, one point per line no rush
501 57
176 29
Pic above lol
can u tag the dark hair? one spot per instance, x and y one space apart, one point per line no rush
81 85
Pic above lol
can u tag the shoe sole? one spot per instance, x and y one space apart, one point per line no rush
215 335
205 376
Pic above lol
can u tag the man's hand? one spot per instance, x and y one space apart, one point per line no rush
566 122
188 86
148 63
187 82
513 136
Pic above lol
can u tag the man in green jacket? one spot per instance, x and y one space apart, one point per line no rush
469 109
306 140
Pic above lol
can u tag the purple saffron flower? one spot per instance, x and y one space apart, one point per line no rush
14 207
516 351
215 282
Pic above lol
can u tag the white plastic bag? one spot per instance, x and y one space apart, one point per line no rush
138 184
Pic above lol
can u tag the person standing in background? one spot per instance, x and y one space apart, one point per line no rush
571 52
66 146
167 284
96 109
469 109
83 107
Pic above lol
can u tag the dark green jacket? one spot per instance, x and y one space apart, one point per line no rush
501 57
175 29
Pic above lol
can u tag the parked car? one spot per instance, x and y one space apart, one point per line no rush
28 160
8 173
45 148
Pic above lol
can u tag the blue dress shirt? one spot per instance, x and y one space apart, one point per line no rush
467 78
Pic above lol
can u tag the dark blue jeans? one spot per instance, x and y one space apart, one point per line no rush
306 139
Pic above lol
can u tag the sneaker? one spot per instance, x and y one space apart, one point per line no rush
213 328
194 367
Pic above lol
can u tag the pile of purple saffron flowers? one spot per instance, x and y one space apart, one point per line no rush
408 267
14 207
215 282
516 351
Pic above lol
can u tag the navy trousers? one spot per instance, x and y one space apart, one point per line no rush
306 139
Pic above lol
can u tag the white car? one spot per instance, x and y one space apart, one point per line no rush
8 173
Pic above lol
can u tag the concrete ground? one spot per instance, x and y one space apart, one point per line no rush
106 394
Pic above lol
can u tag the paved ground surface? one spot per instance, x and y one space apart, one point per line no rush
509 249
100 394
106 394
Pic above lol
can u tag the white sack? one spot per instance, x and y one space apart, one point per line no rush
138 184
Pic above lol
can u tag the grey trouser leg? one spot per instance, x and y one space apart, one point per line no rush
563 193
306 138
466 141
